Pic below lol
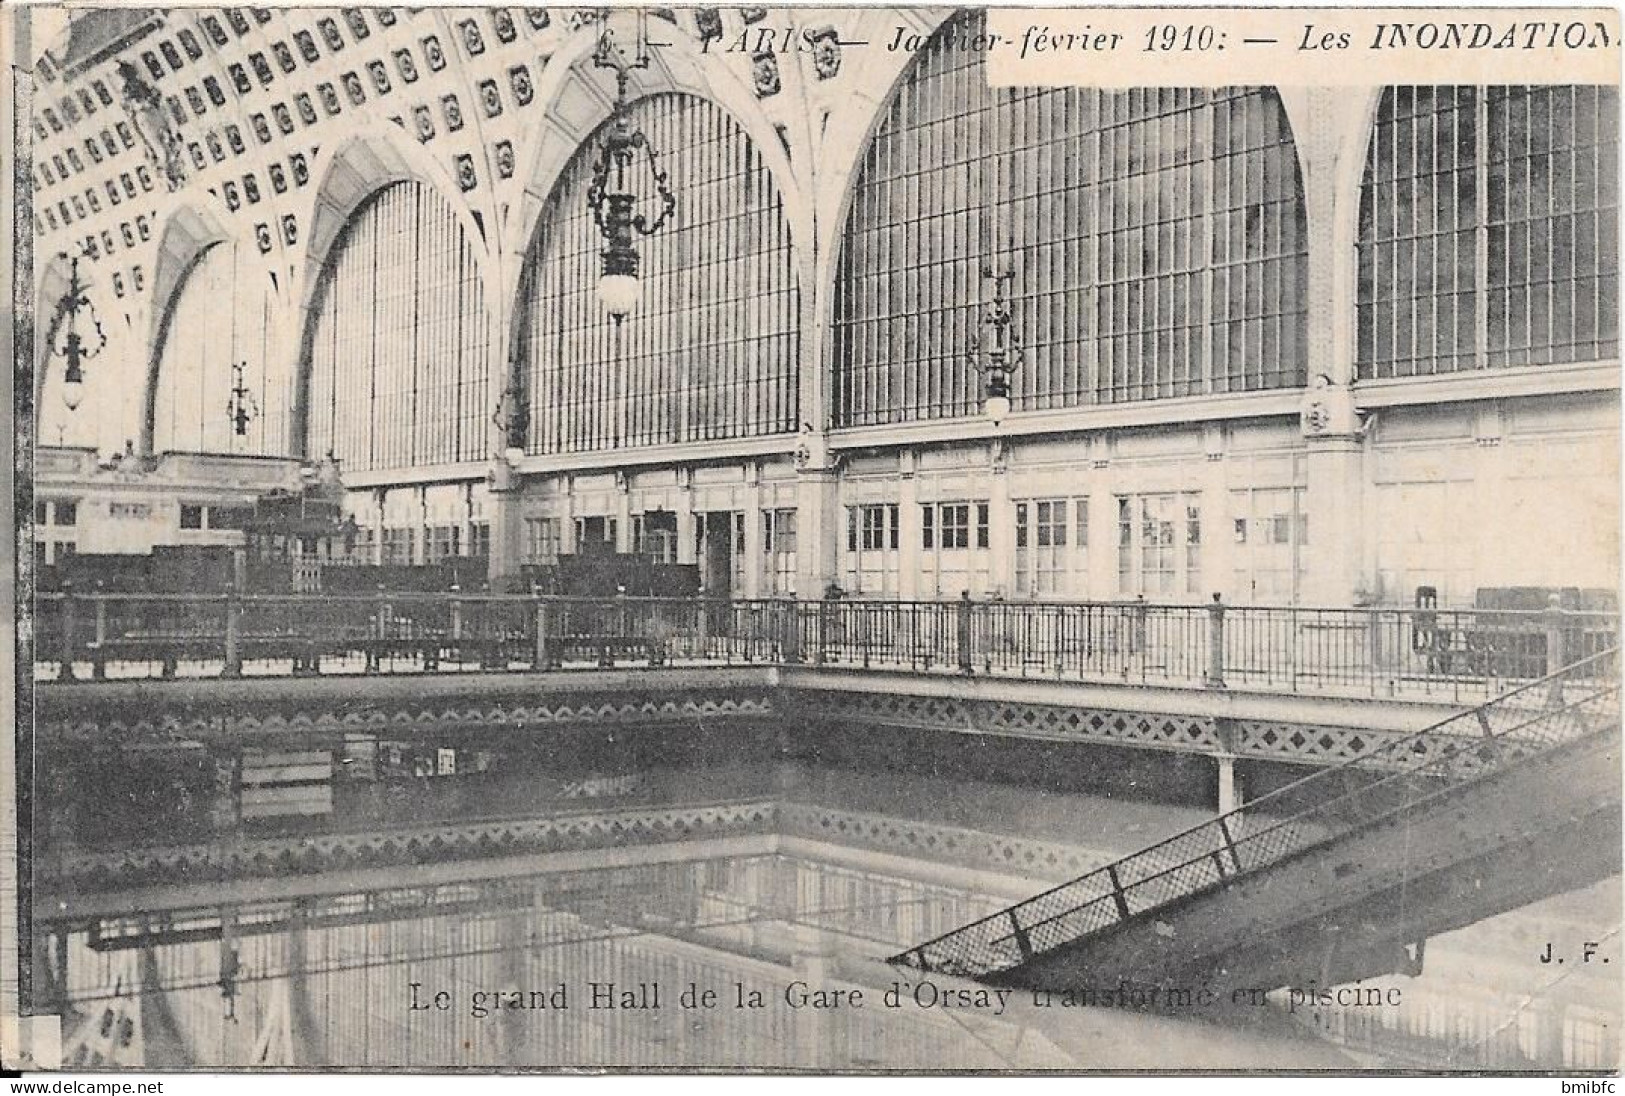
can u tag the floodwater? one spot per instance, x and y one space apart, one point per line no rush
693 904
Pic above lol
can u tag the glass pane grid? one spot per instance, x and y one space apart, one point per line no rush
1102 199
712 351
1488 230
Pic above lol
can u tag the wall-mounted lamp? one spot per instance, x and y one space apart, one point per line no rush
240 406
995 353
73 347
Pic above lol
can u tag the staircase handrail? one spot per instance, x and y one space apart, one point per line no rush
1428 757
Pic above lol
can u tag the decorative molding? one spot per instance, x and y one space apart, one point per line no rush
408 716
1295 743
406 846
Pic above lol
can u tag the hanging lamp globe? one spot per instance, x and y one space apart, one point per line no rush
73 393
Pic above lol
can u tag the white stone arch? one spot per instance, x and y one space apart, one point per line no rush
1354 123
371 158
577 98
850 129
188 233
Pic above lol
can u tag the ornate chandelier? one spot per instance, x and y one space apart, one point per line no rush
73 348
995 353
240 406
611 195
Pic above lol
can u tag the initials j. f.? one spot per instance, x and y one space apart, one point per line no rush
1589 949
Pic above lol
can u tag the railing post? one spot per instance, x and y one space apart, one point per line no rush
69 612
233 666
455 623
964 629
820 631
1024 943
540 614
789 630
98 660
1118 897
1215 644
1556 656
1229 842
380 624
606 650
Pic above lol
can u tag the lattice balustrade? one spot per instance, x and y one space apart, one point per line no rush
437 843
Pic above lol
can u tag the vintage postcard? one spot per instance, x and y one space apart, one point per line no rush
817 539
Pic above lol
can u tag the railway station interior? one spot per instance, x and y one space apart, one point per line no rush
989 487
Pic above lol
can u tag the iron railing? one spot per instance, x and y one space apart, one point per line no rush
1574 703
1453 654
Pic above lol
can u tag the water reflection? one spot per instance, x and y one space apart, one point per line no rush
618 910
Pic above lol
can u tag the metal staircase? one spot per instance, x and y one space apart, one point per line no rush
1487 810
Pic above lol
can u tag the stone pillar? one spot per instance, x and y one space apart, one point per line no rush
1329 127
1230 790
1549 1035
1001 519
420 537
1230 794
623 512
687 540
380 496
564 505
308 1034
505 499
751 587
1102 559
819 528
1217 541
909 531
817 1032
1489 489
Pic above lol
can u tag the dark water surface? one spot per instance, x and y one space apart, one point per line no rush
691 903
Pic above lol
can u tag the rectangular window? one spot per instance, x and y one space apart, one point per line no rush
1270 545
874 528
399 545
872 540
542 541
442 542
230 517
654 536
191 517
1159 544
779 548
1049 556
950 531
595 534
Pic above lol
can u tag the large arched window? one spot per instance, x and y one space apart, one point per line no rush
1489 228
400 354
712 350
1156 236
223 312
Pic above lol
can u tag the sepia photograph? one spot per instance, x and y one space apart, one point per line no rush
819 540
